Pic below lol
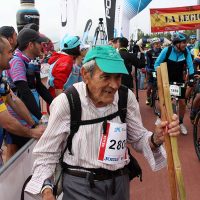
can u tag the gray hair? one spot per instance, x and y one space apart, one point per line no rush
89 66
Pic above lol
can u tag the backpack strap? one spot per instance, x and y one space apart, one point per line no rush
75 111
122 102
50 79
185 53
169 50
24 186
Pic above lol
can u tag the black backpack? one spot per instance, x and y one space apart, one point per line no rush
75 110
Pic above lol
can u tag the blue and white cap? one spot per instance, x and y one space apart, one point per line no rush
193 37
178 37
70 42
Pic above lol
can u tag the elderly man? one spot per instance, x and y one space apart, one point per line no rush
7 97
92 168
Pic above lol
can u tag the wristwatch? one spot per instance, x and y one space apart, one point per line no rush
47 184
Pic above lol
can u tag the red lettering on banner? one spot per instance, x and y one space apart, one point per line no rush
176 28
173 19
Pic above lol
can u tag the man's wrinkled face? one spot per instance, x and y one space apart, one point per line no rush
101 86
6 55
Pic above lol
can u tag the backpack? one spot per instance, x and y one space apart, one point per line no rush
74 77
72 94
75 111
169 50
50 80
76 122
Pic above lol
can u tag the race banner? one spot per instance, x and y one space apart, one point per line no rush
110 17
173 19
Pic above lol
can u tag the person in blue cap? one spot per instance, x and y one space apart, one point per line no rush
191 44
151 56
179 62
61 64
95 166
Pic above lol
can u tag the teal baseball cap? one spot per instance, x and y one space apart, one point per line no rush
107 59
70 42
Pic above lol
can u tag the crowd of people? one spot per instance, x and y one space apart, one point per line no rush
91 85
182 57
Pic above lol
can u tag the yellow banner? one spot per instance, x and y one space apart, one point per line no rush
175 18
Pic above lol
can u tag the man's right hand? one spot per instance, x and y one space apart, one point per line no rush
47 194
37 132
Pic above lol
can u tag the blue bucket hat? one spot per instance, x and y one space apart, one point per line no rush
70 42
107 59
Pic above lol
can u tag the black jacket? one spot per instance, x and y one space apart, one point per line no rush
130 60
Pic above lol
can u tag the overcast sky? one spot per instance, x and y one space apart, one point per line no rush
50 13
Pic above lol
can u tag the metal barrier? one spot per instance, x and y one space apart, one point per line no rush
14 173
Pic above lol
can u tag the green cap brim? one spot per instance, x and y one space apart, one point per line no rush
111 66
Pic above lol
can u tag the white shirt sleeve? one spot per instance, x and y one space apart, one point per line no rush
138 136
48 149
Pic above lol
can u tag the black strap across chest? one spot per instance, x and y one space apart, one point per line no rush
76 111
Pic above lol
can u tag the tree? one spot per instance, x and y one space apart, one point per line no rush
163 34
190 32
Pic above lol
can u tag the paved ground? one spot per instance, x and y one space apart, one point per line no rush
155 185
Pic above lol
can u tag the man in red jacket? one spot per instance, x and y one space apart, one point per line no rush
62 63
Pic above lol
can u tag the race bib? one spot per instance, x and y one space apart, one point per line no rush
112 149
154 74
175 90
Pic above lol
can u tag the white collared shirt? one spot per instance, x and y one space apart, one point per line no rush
86 141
